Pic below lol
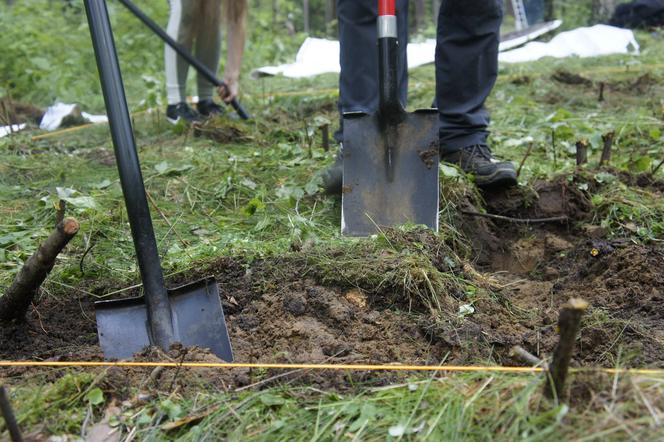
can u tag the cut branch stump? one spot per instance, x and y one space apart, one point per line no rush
581 152
20 294
569 322
607 139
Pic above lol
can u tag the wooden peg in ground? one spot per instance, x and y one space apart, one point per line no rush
569 322
607 139
581 152
20 294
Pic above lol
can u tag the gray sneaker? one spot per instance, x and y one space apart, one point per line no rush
478 160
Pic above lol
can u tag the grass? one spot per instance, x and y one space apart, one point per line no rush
455 407
255 196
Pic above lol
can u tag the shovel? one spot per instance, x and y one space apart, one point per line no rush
200 67
191 314
390 159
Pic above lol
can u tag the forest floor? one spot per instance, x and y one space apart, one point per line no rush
239 201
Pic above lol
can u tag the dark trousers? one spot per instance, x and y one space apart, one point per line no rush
466 63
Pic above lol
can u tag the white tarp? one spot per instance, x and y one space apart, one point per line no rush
320 56
6 130
582 42
54 115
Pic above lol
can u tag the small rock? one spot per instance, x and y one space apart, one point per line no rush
594 232
551 273
295 303
557 244
357 298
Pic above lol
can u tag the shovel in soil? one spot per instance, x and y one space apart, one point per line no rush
200 67
390 159
191 314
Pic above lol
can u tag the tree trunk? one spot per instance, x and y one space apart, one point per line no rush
602 10
435 5
419 15
305 12
18 297
330 12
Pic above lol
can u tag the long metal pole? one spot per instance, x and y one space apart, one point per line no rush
131 179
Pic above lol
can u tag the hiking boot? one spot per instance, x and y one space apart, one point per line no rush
181 111
488 171
333 176
209 108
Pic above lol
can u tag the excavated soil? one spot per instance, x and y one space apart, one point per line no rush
15 112
279 310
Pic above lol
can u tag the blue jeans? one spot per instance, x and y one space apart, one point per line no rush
466 63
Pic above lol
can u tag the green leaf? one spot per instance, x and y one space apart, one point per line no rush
102 184
655 133
173 410
605 177
164 168
254 205
272 400
642 164
95 396
449 171
313 185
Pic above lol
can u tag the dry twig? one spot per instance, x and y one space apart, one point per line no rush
552 219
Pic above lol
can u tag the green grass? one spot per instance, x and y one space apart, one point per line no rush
256 197
479 407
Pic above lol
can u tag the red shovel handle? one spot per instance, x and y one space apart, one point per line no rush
386 7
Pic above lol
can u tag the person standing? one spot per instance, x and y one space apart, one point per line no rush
197 24
466 66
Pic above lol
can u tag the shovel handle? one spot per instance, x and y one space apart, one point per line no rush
386 7
200 67
388 80
133 189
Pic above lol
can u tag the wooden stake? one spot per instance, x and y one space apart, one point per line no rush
525 157
581 152
568 327
18 297
601 91
8 414
607 138
325 134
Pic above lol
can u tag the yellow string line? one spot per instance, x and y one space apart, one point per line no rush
352 367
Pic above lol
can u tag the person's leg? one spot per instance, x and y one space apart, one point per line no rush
208 43
180 27
358 34
358 81
466 71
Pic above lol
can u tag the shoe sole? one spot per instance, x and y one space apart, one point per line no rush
500 178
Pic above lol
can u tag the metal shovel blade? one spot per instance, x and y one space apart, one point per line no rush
390 175
198 319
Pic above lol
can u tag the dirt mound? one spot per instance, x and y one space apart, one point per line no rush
14 112
406 297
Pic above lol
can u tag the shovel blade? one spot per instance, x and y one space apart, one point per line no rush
386 187
198 319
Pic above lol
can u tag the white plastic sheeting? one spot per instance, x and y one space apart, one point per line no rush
582 42
6 130
319 56
54 115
